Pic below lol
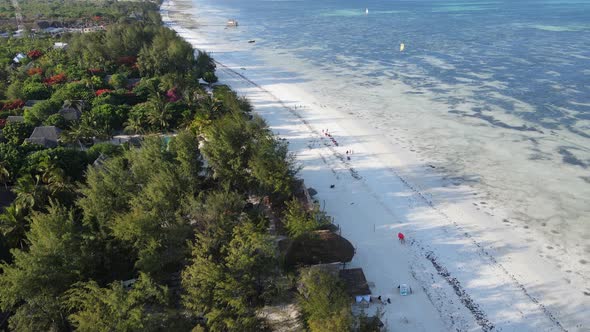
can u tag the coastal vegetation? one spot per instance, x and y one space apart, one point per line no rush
170 231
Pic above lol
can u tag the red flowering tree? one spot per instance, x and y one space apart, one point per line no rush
2 123
35 71
13 105
55 79
34 54
172 95
102 91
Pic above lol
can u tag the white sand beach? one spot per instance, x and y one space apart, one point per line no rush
469 269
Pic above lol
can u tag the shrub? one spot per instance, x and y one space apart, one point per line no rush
36 91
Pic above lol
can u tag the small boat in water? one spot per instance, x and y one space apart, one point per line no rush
232 23
402 47
251 41
366 11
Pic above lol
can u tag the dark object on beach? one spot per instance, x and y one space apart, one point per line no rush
379 297
251 41
318 247
312 192
348 158
388 301
432 166
332 186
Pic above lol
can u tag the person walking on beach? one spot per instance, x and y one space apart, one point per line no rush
401 237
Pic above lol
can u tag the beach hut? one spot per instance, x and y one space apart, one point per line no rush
319 247
47 136
15 118
356 284
19 57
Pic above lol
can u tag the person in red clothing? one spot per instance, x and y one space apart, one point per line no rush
401 237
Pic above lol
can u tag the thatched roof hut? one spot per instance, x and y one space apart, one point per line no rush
355 282
319 247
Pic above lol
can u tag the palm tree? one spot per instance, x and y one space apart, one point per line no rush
135 124
54 177
4 174
29 193
211 106
79 105
159 114
13 225
78 132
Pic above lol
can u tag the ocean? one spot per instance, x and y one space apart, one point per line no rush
493 94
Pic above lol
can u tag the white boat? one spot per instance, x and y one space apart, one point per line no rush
366 11
402 47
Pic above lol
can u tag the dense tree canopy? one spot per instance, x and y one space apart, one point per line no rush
168 231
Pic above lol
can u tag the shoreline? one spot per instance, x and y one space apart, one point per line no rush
375 186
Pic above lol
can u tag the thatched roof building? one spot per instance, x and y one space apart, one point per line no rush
319 247
355 282
46 136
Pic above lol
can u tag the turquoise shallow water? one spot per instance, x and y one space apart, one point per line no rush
538 50
496 93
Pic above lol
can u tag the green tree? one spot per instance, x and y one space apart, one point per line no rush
56 120
299 221
118 81
272 167
108 191
140 308
107 149
205 63
15 90
35 90
4 174
12 159
185 148
210 77
167 54
228 149
159 115
13 225
107 116
30 194
138 120
41 111
227 288
16 132
32 284
325 304
72 91
152 227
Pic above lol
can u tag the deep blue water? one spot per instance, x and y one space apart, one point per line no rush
536 52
